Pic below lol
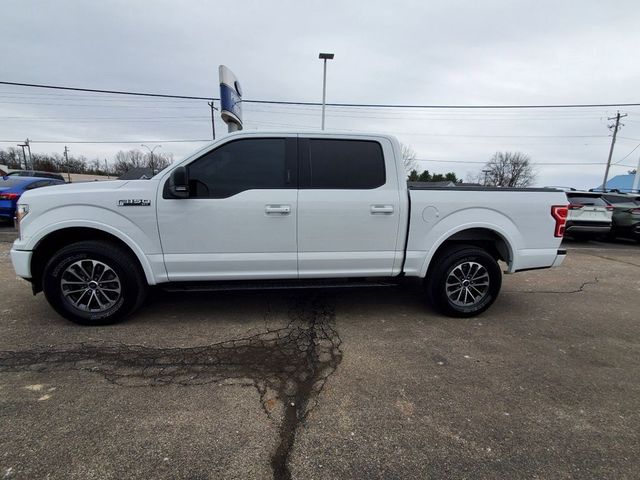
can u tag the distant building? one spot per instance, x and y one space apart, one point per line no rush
139 173
624 183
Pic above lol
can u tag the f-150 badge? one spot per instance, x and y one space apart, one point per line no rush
134 203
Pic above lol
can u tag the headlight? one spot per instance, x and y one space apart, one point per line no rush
21 212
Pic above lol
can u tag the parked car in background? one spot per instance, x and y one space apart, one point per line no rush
12 187
589 215
626 215
35 173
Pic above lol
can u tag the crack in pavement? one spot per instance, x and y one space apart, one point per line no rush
578 290
293 363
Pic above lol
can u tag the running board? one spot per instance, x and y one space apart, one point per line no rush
272 285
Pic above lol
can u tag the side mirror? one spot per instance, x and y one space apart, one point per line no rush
179 183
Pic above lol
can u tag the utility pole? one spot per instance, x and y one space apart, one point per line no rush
213 125
66 158
615 127
26 142
24 157
106 168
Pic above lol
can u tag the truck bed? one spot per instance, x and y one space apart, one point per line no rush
520 217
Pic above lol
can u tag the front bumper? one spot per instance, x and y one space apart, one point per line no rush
21 260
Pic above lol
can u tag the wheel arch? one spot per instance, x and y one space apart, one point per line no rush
491 239
56 239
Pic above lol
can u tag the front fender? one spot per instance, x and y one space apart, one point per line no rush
141 237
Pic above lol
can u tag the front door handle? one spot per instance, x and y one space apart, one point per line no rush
381 209
277 209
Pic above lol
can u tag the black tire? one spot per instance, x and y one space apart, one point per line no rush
452 264
124 284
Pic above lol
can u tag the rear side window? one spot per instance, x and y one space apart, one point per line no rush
238 166
344 164
587 200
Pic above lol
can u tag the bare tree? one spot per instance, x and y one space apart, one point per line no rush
508 169
125 161
161 160
408 158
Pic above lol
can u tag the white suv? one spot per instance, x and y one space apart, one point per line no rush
589 215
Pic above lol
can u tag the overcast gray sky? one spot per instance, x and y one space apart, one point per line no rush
400 52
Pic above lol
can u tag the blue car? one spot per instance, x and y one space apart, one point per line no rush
12 187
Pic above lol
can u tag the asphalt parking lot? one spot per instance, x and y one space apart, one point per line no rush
332 384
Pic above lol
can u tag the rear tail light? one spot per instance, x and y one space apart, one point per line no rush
575 206
634 211
9 196
559 213
609 207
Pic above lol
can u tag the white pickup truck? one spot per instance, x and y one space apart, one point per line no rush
285 209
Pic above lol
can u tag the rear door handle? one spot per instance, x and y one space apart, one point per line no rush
381 209
277 209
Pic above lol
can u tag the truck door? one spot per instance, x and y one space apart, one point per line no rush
239 221
348 207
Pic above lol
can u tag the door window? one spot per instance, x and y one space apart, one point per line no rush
248 164
342 164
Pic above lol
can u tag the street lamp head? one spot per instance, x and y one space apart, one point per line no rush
326 56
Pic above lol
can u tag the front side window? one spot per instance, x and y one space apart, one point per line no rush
345 164
237 166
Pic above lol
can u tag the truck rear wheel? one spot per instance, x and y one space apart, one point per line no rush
93 283
463 282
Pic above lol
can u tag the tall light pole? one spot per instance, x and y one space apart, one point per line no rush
324 57
151 150
636 179
486 172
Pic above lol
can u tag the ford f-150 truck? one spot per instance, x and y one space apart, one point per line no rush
291 209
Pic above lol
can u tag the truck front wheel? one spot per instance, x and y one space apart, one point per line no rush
463 282
93 283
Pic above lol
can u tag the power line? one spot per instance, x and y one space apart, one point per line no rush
627 155
116 92
281 102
